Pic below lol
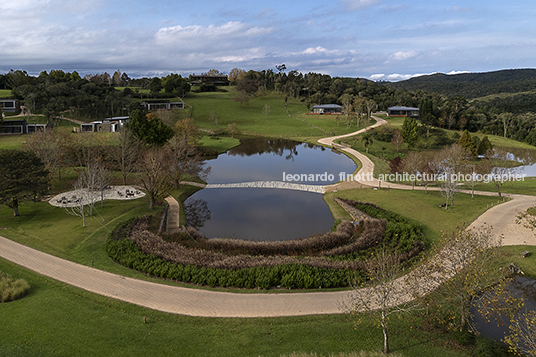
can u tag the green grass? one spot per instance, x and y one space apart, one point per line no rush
289 122
5 93
419 206
56 319
12 141
219 144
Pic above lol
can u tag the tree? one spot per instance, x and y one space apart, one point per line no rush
266 110
213 117
397 139
484 145
233 129
155 85
412 164
149 128
23 177
153 172
387 296
506 119
241 97
346 100
186 162
463 267
410 131
496 167
371 106
367 140
466 141
48 148
126 153
449 162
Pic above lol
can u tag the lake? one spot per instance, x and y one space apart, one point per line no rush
267 214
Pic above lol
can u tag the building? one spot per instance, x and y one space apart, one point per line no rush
108 125
217 80
399 111
9 105
161 105
17 127
327 109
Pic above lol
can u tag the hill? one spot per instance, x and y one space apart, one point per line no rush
472 85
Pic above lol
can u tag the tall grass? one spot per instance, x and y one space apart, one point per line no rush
11 289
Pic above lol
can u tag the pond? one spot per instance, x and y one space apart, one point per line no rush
520 287
267 214
528 159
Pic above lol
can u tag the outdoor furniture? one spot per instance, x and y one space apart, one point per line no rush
525 253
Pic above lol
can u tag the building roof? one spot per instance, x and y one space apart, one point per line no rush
402 108
328 106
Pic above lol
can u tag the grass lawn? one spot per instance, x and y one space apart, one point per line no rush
59 320
220 144
12 141
419 206
288 121
5 93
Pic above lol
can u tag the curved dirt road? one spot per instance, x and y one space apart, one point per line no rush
197 302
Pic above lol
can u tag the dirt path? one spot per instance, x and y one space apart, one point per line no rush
198 302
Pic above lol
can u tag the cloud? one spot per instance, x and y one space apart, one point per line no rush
402 55
354 5
226 32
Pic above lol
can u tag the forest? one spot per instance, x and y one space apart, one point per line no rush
445 101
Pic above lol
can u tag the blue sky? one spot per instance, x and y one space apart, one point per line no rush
375 39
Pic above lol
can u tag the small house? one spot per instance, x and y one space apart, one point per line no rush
400 111
9 105
327 109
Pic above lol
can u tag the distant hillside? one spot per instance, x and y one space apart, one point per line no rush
472 85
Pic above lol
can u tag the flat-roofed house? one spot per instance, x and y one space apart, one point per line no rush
400 111
327 109
9 105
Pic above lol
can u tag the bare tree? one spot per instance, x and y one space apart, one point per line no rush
449 163
126 153
266 110
186 163
496 167
153 172
212 117
387 296
371 106
412 165
506 119
397 139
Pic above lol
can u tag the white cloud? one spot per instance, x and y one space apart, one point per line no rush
403 55
226 32
353 5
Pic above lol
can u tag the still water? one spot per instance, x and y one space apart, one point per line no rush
266 214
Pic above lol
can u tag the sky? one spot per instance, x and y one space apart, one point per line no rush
373 39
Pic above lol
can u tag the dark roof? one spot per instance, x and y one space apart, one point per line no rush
328 106
402 108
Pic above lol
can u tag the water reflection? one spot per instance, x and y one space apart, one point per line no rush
527 157
261 159
196 212
499 328
263 214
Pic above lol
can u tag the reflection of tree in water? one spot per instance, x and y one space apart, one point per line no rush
196 212
280 147
525 156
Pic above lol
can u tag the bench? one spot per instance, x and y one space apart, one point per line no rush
525 253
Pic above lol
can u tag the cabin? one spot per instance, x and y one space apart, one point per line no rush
19 127
108 125
327 109
161 105
9 105
400 111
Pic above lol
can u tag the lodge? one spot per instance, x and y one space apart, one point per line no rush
108 125
161 105
327 109
217 80
399 111
9 105
18 127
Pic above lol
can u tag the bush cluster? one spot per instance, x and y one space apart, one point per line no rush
10 289
401 235
290 276
316 245
325 260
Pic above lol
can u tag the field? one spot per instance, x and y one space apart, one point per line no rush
60 320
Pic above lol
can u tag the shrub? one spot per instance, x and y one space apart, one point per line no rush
10 289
